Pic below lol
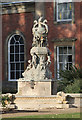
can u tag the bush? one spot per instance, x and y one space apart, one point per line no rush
5 100
71 80
74 87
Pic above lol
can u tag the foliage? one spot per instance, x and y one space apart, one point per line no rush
74 87
5 99
70 80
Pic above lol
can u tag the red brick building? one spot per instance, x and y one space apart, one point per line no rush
64 38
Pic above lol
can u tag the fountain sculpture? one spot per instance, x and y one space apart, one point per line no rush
34 89
37 74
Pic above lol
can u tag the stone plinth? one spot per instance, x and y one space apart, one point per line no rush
38 103
33 88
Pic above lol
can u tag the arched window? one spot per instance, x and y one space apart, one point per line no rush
15 57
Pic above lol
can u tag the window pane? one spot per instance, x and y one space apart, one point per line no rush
11 57
16 48
65 15
21 48
11 49
60 15
59 7
21 57
61 66
65 50
16 57
17 75
12 75
69 6
69 65
17 66
65 59
64 7
69 58
12 41
69 15
69 50
60 58
21 41
12 66
60 50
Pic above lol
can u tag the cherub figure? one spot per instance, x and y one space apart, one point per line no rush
34 60
30 65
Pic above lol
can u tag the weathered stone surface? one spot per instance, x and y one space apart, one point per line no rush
37 76
62 98
38 102
34 88
38 68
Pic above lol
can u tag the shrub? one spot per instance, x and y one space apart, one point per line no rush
74 87
5 100
71 80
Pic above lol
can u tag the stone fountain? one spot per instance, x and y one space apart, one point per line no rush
37 76
34 89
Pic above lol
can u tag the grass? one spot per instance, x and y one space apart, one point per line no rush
71 115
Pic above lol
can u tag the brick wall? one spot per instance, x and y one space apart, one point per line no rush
11 22
23 22
64 30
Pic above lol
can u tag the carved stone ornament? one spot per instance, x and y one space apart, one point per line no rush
38 67
40 30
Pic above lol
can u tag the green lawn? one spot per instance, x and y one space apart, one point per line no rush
72 115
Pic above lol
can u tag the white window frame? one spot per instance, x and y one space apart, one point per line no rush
58 69
9 70
62 1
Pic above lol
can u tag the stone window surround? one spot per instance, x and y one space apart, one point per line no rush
6 52
17 8
55 53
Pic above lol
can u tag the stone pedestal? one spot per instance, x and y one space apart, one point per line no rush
32 88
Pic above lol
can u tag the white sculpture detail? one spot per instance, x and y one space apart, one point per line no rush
40 30
38 67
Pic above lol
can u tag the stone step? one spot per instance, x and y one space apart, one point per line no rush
37 103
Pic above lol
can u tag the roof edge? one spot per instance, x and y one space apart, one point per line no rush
14 2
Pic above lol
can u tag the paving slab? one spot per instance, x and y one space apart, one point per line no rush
43 112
